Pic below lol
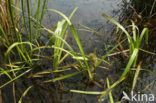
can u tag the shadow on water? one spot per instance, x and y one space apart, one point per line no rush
89 14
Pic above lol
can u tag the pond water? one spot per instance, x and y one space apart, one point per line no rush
89 13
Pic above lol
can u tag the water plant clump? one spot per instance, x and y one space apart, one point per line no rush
26 56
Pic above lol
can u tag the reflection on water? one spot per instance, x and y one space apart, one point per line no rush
89 10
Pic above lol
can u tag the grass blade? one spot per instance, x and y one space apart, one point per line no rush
24 94
136 76
132 58
38 18
63 77
64 16
86 92
120 26
30 23
12 18
110 94
107 54
42 14
15 78
81 49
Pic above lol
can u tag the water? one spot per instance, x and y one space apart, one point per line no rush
89 13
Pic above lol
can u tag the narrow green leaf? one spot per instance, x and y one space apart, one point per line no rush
131 60
15 78
86 92
63 77
24 94
110 94
60 13
136 77
107 54
120 26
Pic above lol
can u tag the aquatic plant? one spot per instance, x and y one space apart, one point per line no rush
134 45
17 55
24 50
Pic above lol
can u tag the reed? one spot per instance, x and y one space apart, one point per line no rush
4 15
30 23
15 43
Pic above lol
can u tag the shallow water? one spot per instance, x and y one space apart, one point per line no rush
89 13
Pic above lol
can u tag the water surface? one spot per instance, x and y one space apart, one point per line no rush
89 13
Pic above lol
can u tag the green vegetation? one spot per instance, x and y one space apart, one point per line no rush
23 49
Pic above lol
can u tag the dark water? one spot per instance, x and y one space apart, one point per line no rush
89 13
